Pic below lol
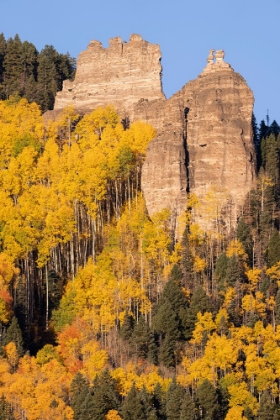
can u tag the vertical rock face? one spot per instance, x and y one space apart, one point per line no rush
219 136
204 131
121 75
211 119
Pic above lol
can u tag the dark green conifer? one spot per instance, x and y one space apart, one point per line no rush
243 234
3 46
105 396
200 302
174 399
143 341
159 402
14 335
208 400
127 327
188 409
13 67
273 248
79 393
133 408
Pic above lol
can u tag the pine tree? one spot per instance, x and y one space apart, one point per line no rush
221 271
273 249
47 85
200 302
174 399
243 234
105 396
277 308
143 340
3 46
29 66
133 408
188 409
13 67
159 402
234 272
14 335
79 393
127 327
208 400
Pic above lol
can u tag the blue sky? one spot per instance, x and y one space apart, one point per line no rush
248 31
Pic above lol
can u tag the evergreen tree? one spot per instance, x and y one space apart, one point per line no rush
13 66
208 400
133 408
159 402
188 409
127 327
29 66
174 399
105 396
79 394
274 128
3 46
277 308
234 272
200 302
273 249
243 234
14 335
53 68
143 341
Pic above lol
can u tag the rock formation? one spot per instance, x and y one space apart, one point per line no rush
210 118
121 75
204 131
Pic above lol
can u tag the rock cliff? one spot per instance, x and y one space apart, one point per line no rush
121 75
204 131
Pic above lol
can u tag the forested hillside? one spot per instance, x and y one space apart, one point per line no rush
104 313
34 75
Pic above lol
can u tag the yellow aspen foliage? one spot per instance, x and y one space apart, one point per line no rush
201 369
236 248
221 318
203 327
128 376
235 413
274 272
199 264
253 276
254 304
94 359
230 295
222 352
47 353
113 415
138 137
196 236
12 354
241 396
7 270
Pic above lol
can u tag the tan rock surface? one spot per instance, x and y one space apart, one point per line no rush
204 131
121 75
212 117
